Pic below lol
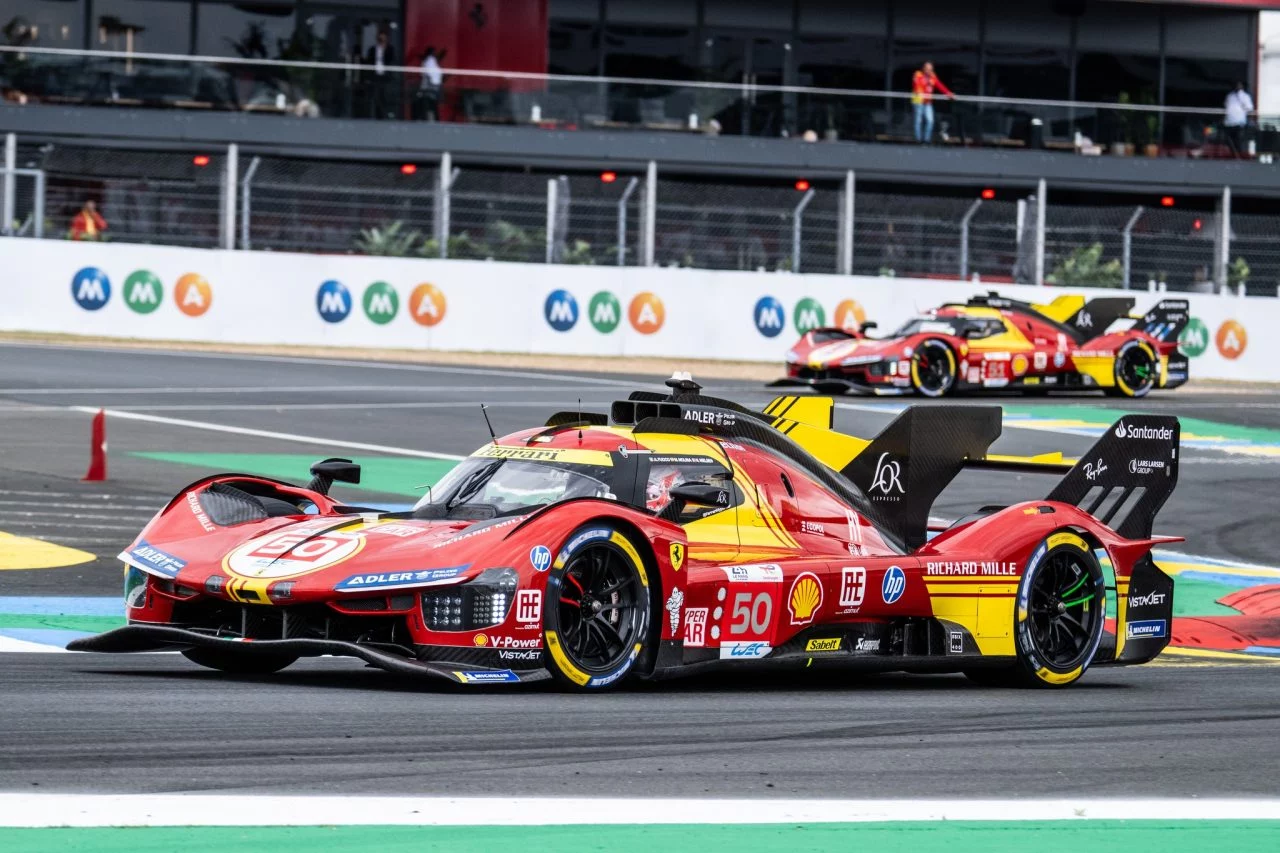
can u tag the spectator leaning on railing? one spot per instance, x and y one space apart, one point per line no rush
429 88
923 82
88 224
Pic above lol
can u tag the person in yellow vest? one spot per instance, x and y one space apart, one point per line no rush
88 224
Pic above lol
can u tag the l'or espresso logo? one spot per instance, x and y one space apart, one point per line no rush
886 483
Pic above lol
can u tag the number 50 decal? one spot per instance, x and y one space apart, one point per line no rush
752 614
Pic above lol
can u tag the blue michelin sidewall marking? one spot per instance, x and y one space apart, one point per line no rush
591 535
893 585
540 558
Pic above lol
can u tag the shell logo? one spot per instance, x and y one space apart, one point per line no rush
193 294
850 315
1019 364
805 598
427 305
646 313
1231 339
480 640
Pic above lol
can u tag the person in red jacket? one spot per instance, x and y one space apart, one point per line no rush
923 82
88 224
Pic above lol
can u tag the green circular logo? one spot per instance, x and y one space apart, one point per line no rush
381 302
143 291
1194 339
605 312
808 315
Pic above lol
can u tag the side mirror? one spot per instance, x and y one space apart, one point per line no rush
701 494
868 326
328 471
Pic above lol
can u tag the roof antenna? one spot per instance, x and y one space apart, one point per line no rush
579 420
484 410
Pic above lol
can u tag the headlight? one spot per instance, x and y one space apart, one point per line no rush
792 355
855 360
479 603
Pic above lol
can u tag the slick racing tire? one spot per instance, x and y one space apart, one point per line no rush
238 663
1059 617
598 616
933 369
1135 370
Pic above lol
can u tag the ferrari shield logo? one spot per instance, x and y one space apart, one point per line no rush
677 556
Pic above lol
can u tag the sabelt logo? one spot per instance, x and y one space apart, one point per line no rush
1144 433
829 645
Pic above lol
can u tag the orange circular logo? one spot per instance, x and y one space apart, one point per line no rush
193 294
646 313
1231 339
850 315
1019 364
480 640
427 305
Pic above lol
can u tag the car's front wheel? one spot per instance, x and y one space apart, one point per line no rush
238 663
597 619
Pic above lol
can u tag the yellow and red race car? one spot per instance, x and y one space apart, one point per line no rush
991 342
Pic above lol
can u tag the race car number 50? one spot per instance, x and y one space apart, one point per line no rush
751 616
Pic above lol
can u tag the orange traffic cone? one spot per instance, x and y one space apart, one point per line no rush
98 449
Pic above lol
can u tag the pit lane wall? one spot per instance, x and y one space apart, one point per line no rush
165 293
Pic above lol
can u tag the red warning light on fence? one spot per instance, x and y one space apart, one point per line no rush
1167 201
408 169
988 194
201 160
1197 225
608 177
802 185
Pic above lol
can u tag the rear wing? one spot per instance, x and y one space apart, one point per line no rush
1128 474
1166 320
1098 314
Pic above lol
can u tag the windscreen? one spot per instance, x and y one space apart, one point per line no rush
486 488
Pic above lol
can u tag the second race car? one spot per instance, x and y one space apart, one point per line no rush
991 342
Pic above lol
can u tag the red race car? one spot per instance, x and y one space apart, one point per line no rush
680 533
993 342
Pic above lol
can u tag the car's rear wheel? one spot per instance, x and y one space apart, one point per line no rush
933 369
597 620
238 663
1061 608
1135 370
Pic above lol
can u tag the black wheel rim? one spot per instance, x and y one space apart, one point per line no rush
933 368
1137 369
601 608
1065 609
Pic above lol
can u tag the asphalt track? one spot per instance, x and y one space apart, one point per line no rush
156 723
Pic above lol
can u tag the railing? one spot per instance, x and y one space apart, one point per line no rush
353 90
649 217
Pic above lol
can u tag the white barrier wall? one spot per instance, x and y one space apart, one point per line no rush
153 292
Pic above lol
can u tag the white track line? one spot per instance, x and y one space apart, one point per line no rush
263 433
39 810
273 389
8 644
328 407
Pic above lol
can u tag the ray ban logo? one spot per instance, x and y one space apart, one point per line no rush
1093 470
888 476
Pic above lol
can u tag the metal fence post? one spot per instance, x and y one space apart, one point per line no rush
37 205
845 241
964 237
650 212
1042 192
445 185
1126 249
622 219
246 203
552 186
797 229
230 184
10 181
1224 241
